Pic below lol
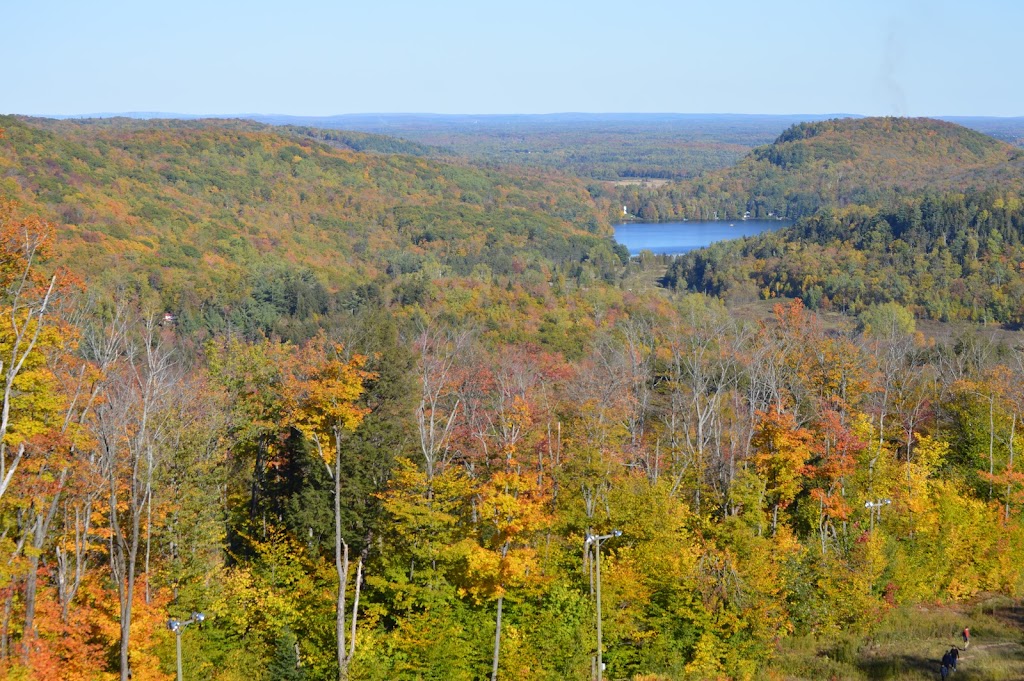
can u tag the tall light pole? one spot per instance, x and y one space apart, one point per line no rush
595 541
875 506
178 626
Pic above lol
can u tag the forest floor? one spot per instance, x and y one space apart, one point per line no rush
909 645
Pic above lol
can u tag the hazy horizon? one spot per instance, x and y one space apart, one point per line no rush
171 115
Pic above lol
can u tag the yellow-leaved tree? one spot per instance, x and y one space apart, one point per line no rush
27 297
324 387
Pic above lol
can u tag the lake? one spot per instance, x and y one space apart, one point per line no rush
679 237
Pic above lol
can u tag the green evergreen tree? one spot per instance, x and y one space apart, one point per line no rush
285 665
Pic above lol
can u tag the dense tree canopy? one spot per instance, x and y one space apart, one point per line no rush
368 421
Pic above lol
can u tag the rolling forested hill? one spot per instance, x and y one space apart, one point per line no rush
924 213
837 163
593 146
207 214
626 147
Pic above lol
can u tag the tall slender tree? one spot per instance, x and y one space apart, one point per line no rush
324 391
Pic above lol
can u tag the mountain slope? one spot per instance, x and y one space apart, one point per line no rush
197 210
923 213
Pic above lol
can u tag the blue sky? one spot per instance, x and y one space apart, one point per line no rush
307 57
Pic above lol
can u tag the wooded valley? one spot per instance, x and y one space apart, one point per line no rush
365 406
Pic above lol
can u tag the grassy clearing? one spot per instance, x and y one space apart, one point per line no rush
909 644
643 181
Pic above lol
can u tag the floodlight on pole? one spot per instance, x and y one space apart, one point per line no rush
876 506
178 626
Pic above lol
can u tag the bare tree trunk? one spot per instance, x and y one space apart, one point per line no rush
130 431
31 581
435 416
991 443
497 640
1013 430
340 563
149 518
497 621
355 609
40 527
68 578
124 557
5 624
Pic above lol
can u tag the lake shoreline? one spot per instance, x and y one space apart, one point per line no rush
641 221
680 237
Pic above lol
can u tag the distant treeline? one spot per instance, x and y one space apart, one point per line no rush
835 163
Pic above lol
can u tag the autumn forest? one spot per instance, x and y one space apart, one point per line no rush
365 402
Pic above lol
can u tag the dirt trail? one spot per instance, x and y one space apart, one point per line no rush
993 645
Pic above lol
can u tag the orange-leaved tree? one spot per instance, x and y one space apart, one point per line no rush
782 450
836 448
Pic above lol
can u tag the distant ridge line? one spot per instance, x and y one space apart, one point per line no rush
435 116
553 115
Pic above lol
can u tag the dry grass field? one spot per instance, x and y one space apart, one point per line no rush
908 646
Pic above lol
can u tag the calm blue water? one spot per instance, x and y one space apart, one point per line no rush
680 237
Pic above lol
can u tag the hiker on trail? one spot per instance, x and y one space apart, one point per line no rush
954 657
967 637
944 672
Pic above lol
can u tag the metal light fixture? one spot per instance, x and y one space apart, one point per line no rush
178 626
876 507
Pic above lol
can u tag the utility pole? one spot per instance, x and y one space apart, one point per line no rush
178 626
595 541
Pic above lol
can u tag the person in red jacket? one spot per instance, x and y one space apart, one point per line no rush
967 637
